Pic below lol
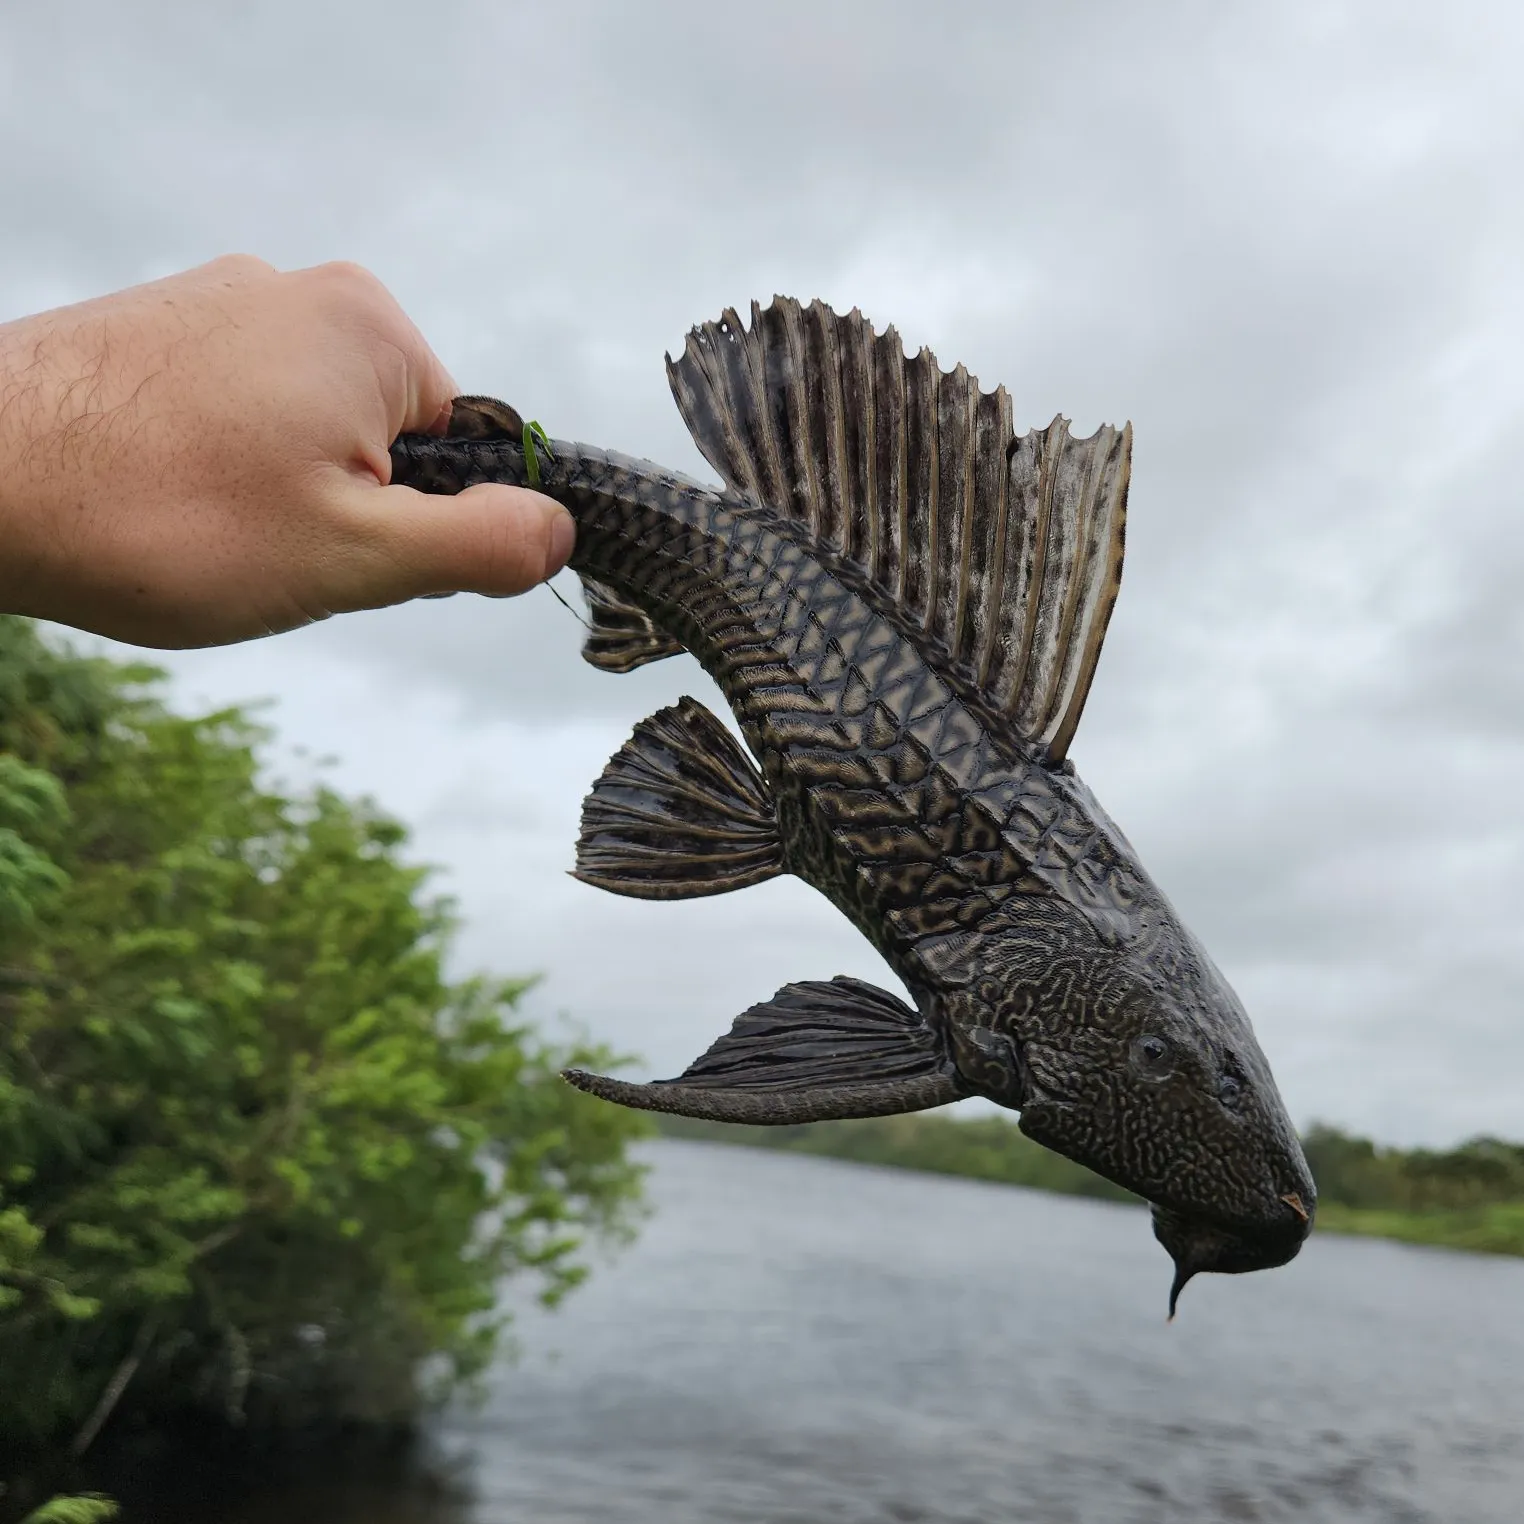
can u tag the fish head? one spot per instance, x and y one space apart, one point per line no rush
1136 1059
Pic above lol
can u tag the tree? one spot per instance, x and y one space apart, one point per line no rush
257 1155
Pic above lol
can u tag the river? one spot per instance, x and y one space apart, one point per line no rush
803 1341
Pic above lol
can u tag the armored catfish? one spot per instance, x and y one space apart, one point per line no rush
903 601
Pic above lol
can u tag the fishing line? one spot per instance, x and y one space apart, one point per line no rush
586 623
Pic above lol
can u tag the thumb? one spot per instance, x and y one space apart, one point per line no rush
490 539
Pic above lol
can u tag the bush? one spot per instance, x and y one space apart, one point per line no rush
256 1154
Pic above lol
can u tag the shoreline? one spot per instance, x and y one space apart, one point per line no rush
994 1150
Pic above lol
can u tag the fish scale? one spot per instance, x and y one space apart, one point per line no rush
651 537
636 533
903 604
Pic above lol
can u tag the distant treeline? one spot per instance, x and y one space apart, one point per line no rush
1471 1197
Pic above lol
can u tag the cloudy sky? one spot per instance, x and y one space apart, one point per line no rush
1286 242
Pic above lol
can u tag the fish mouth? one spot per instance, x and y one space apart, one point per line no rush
1198 1243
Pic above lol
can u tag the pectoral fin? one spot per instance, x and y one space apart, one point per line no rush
680 811
817 1051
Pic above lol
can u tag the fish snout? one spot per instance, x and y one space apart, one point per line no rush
1198 1244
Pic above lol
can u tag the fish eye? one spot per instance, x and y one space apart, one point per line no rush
1154 1055
1229 1090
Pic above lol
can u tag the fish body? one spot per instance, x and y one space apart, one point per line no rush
903 602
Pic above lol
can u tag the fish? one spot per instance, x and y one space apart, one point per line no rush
903 602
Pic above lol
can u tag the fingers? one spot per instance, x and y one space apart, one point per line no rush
427 386
416 387
489 539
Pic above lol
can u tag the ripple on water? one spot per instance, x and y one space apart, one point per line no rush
805 1340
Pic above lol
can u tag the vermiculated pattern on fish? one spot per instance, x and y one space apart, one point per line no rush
903 602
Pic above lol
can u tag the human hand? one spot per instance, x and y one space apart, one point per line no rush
205 459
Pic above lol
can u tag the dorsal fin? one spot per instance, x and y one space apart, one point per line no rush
1006 550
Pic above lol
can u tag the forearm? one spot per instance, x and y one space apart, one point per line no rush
204 459
32 393
70 389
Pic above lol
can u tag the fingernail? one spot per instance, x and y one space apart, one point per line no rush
563 535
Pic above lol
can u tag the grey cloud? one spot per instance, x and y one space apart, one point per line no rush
1283 242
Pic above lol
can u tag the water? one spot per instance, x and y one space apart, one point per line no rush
802 1341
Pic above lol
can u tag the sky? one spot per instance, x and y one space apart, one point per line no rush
1286 242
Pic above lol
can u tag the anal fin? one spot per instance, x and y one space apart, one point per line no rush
820 1050
620 636
679 812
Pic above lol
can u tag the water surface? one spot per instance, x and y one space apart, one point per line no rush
804 1341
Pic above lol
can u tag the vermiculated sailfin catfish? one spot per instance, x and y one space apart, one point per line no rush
903 602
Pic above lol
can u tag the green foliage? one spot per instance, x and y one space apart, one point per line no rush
1358 1173
82 1508
1471 1197
1480 1230
256 1153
